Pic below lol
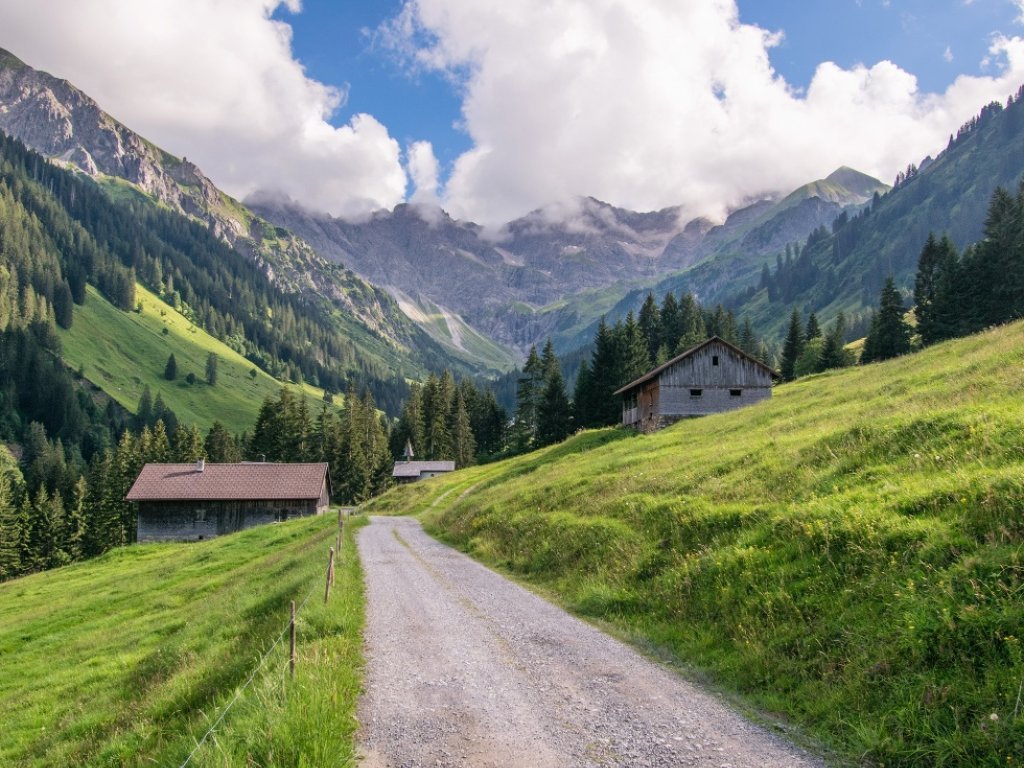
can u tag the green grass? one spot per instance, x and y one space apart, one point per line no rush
848 556
128 659
122 352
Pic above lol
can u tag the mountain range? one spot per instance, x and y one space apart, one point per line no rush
483 297
432 291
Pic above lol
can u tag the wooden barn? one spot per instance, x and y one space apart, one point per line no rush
712 377
189 502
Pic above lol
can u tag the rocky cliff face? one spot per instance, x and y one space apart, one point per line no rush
58 120
546 273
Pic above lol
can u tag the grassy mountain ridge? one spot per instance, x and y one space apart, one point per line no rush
848 267
122 352
849 554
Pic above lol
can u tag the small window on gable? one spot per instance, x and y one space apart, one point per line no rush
714 359
696 392
735 392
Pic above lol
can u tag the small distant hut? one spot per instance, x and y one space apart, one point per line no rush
189 502
409 471
712 377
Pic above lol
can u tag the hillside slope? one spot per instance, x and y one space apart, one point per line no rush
127 659
123 352
844 269
849 554
59 121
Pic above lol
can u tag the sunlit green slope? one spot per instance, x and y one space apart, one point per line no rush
123 352
128 659
849 555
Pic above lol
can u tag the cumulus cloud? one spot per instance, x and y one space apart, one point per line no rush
659 103
424 172
215 81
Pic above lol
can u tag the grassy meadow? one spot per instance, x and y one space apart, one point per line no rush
848 557
122 352
126 660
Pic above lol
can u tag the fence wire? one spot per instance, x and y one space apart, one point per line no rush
248 682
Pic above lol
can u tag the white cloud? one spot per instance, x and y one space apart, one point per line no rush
947 55
423 170
215 81
658 103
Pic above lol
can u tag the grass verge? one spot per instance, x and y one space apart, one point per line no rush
128 659
848 556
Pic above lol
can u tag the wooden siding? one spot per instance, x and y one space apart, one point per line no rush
195 520
734 382
699 372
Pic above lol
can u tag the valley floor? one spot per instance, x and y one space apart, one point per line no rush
466 668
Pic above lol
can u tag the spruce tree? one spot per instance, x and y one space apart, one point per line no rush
813 330
649 321
219 447
926 289
890 333
792 347
554 416
463 442
528 392
211 369
171 369
833 354
671 322
11 530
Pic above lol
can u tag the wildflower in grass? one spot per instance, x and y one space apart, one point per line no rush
993 717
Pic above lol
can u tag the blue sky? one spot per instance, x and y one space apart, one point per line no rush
515 105
935 40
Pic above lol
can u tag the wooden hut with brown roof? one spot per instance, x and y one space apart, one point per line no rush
188 502
712 377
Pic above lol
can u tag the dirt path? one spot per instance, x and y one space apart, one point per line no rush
466 668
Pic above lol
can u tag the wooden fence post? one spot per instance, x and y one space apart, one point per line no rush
291 662
341 530
330 575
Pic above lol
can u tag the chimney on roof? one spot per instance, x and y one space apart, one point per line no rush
200 465
263 458
408 450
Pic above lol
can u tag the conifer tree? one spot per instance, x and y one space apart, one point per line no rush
554 416
793 346
187 445
833 354
813 330
649 322
671 322
748 339
11 530
528 392
926 289
171 369
211 369
890 334
463 441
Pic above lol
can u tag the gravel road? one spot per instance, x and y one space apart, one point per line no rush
465 668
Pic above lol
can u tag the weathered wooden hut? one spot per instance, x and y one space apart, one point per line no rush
188 502
712 377
412 471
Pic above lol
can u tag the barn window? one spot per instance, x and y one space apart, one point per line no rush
200 515
696 392
735 392
714 359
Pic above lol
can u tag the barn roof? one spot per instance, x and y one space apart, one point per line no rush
693 350
416 468
247 481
